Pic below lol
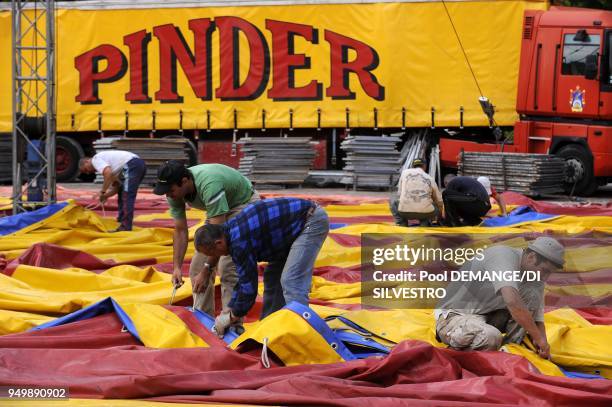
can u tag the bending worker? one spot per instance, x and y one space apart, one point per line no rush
222 192
474 315
123 173
419 197
287 233
467 200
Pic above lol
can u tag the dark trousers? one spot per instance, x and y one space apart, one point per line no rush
464 209
133 174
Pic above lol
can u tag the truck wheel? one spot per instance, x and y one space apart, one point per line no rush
192 150
578 170
68 152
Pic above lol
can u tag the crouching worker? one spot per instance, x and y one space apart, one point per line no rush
418 196
287 233
483 315
468 200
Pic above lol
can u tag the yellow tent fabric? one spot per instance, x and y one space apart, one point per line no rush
291 338
160 328
38 289
34 295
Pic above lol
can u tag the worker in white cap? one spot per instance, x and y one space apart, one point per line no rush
493 194
484 314
467 200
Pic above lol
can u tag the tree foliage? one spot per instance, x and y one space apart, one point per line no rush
600 4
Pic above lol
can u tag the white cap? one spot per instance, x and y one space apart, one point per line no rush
550 249
486 183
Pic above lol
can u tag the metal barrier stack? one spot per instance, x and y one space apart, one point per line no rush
371 161
528 174
276 161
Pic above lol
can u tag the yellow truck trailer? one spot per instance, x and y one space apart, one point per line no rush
203 68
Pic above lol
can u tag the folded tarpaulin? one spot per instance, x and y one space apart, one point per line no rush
560 208
415 372
522 214
297 335
105 306
153 325
15 223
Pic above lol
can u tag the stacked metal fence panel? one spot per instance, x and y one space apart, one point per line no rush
276 160
371 161
153 151
6 158
529 174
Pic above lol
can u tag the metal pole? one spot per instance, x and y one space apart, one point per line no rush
50 144
29 34
16 99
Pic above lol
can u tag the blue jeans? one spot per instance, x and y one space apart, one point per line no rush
288 279
394 208
133 174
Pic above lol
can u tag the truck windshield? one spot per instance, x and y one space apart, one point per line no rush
575 53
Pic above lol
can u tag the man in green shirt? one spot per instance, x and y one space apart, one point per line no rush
222 192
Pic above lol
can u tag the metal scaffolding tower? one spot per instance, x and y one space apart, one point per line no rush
33 36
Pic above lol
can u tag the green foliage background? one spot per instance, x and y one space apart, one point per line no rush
601 4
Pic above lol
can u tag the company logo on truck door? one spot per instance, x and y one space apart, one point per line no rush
197 63
577 99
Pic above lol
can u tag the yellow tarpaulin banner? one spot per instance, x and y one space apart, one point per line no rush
374 59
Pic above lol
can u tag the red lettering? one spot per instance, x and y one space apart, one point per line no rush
285 62
197 68
259 69
196 63
365 61
139 75
89 75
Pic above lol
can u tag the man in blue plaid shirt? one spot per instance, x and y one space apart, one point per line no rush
287 233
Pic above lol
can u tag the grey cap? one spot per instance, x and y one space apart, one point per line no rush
550 249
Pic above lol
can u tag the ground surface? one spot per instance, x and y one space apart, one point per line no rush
604 194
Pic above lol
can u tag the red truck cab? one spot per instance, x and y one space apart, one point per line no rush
564 96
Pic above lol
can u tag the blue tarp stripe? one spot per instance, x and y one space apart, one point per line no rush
105 306
361 347
14 223
333 226
321 327
580 375
209 323
519 215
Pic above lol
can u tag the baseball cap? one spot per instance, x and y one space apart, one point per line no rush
169 173
550 249
417 162
486 183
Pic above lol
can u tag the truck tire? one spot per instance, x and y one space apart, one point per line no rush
68 152
192 150
579 174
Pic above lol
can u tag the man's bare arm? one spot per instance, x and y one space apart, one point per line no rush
179 249
501 203
216 220
520 313
107 173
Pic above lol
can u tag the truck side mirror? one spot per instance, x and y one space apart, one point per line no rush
590 68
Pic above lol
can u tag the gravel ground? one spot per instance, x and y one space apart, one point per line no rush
604 194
